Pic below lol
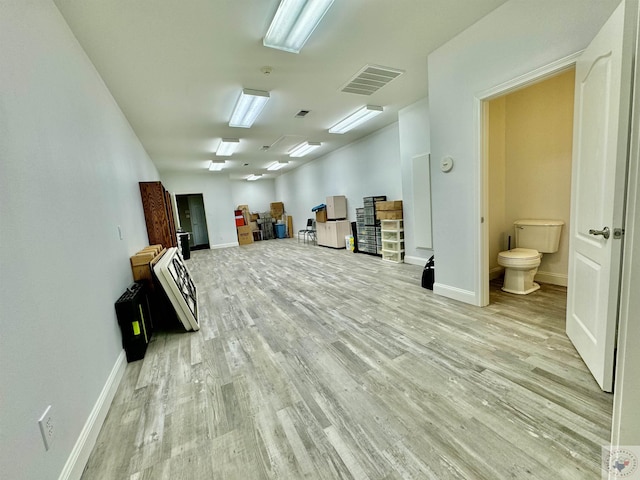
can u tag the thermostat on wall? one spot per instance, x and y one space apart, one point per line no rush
446 164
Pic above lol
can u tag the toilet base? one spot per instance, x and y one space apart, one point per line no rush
520 281
520 292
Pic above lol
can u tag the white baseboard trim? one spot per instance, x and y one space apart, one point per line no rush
82 449
455 293
416 260
552 278
225 245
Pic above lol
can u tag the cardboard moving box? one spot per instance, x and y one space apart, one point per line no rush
245 236
142 263
389 214
389 205
277 210
321 216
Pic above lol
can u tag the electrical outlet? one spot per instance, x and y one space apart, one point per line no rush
46 427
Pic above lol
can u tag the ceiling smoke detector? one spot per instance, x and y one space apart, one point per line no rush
370 79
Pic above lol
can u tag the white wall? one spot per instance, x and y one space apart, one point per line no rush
413 124
368 167
221 196
258 195
69 171
513 40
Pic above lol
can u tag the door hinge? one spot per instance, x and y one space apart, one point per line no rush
618 232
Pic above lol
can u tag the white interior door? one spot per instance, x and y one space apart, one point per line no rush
599 159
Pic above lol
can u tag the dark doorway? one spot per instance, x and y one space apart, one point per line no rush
193 219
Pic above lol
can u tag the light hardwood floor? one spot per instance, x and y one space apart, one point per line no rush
318 363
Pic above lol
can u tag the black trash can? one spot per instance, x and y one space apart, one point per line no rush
428 274
184 245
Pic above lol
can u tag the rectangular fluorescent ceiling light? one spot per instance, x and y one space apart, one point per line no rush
216 166
227 147
365 114
304 148
294 22
248 107
253 178
277 166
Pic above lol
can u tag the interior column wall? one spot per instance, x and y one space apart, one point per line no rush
477 60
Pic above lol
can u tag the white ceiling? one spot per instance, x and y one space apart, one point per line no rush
176 69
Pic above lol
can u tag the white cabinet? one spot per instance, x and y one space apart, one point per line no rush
336 207
332 233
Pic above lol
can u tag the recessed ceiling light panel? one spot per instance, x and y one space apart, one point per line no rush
357 118
227 147
303 149
248 107
294 22
277 166
216 165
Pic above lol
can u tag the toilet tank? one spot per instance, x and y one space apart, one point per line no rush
540 235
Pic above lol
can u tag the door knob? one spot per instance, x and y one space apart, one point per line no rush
604 232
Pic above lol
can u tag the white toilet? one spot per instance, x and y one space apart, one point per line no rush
533 238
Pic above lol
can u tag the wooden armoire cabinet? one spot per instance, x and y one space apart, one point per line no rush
158 214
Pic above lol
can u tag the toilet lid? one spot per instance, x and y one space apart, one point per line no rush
521 253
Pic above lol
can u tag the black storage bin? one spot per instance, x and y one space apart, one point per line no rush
132 311
428 274
184 245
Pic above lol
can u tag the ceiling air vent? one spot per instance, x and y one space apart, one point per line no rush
302 113
370 79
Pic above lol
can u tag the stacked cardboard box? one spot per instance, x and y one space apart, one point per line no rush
245 236
277 210
244 209
239 218
142 263
321 215
389 210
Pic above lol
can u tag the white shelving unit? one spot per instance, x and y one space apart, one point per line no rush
392 240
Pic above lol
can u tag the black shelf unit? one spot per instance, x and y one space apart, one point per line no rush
368 227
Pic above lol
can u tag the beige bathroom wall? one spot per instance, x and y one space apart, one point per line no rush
538 137
497 187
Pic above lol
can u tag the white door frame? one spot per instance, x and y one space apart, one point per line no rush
480 112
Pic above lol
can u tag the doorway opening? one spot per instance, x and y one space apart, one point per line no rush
521 84
192 219
529 137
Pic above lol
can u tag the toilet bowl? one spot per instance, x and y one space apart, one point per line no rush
521 266
533 237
